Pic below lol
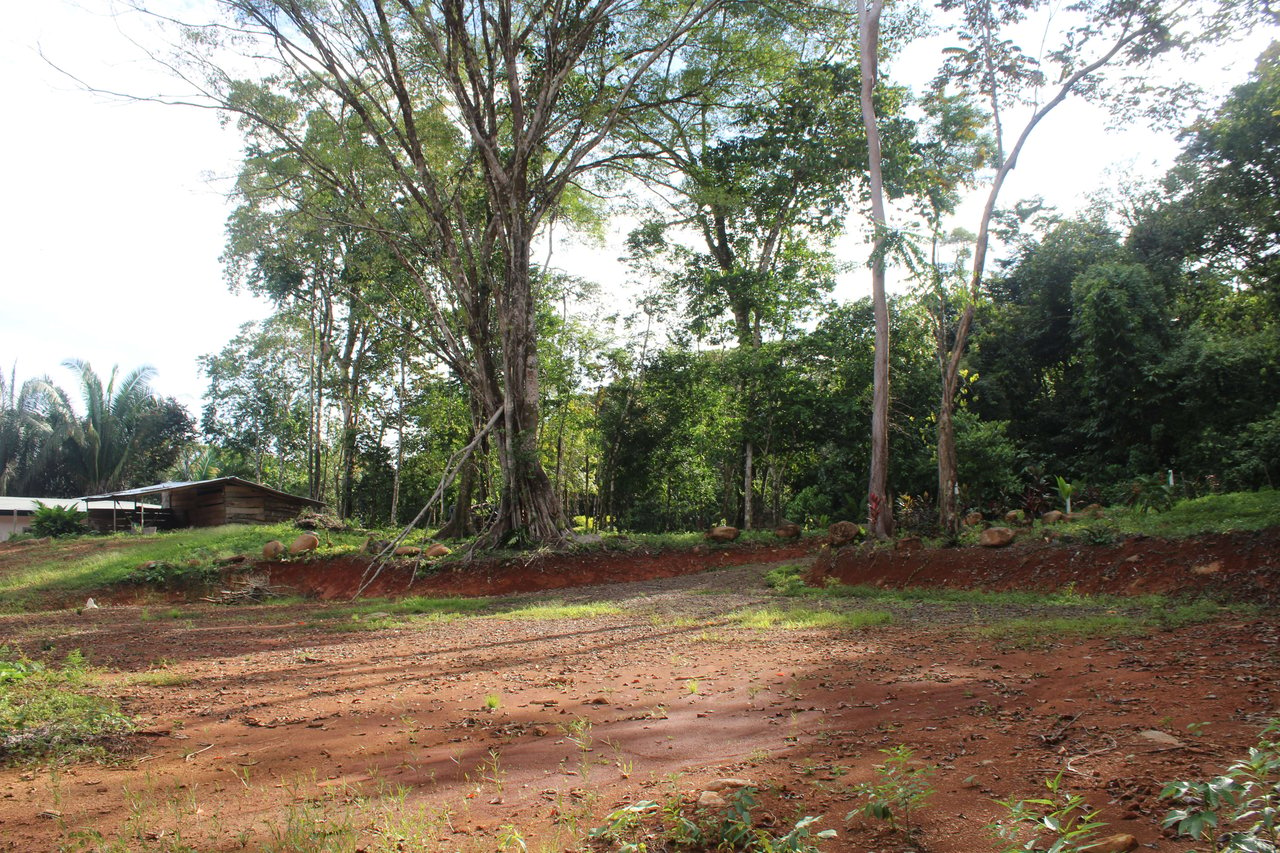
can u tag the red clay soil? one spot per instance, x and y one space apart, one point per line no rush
340 578
261 724
1236 566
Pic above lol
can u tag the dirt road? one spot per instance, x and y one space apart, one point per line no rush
264 725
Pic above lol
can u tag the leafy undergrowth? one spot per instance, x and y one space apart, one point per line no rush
1208 514
50 713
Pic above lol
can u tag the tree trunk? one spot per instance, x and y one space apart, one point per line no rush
748 477
879 512
529 513
948 478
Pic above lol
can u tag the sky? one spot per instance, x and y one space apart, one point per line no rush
114 213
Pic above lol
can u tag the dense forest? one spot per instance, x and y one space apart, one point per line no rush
408 167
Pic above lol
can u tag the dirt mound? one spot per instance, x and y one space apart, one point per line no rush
340 578
1238 566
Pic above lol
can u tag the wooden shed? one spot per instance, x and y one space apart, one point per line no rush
202 503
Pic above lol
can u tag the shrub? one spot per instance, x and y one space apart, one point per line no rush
1238 811
58 521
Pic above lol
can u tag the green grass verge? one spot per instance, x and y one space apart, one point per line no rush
48 713
796 618
1241 511
89 563
558 610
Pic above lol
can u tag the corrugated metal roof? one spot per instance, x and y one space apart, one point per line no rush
29 504
177 485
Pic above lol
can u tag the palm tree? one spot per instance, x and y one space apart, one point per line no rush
100 445
24 432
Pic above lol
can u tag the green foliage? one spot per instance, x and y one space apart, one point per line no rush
990 460
1065 491
1237 511
787 579
58 521
1237 812
901 787
48 713
731 828
1058 823
160 573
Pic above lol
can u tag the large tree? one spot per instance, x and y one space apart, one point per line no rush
480 116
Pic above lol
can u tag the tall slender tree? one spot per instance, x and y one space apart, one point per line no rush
1100 35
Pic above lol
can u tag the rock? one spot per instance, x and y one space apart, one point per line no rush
908 543
711 800
1121 842
91 605
1094 511
842 533
1207 569
1013 516
585 538
995 537
787 531
729 784
721 534
378 614
233 560
273 550
1053 516
1159 737
973 519
438 550
304 543
408 551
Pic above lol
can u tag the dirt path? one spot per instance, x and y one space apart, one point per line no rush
265 724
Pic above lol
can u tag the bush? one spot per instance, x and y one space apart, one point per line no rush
58 521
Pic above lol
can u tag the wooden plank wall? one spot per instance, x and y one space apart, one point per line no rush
228 504
199 507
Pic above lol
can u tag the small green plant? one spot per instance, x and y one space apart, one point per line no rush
47 713
1065 491
787 580
1150 494
58 521
619 824
902 786
1237 812
733 828
492 701
1058 823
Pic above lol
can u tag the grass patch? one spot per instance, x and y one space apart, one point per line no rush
1042 632
418 605
48 713
937 595
798 618
158 678
559 610
1209 514
88 563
